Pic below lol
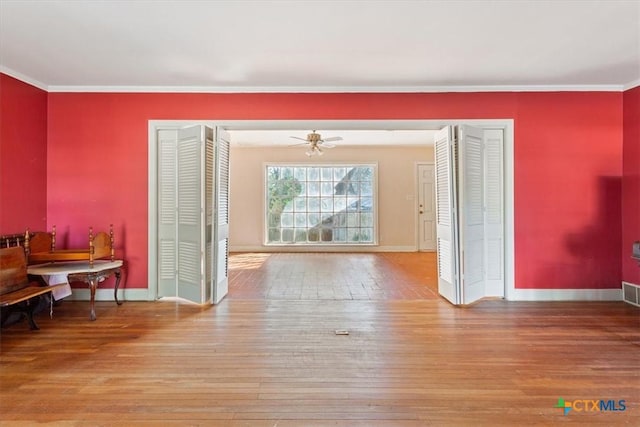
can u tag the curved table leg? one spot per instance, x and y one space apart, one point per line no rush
115 290
93 282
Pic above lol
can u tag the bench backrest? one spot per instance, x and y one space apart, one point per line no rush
41 242
11 240
13 269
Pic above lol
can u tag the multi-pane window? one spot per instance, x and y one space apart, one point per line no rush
320 204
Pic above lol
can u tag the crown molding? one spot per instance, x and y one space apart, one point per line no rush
337 89
23 78
317 89
631 85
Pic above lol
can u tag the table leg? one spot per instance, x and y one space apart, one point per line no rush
115 291
93 283
31 306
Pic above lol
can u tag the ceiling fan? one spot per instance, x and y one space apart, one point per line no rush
317 143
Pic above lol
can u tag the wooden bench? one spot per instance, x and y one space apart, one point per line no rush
10 240
16 291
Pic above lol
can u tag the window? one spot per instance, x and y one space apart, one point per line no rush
329 205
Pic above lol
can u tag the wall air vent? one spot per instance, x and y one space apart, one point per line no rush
631 293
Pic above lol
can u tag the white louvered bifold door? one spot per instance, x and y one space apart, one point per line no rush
494 218
446 215
221 216
167 212
471 212
209 202
190 219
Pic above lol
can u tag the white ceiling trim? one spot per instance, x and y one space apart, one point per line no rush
310 89
337 89
22 77
631 85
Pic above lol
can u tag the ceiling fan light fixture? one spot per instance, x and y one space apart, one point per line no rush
314 151
314 140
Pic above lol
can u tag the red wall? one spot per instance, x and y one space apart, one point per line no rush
568 166
631 184
23 156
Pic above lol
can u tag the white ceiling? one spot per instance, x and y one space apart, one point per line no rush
321 46
104 45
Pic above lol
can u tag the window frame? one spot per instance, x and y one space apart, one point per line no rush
320 243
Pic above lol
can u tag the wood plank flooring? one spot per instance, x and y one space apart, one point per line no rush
333 276
265 358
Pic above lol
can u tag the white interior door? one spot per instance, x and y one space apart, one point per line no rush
446 218
426 208
470 206
193 213
167 212
209 202
190 233
471 212
494 217
220 260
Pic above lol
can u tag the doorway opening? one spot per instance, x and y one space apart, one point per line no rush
505 125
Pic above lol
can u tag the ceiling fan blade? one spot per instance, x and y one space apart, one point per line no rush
301 139
297 145
332 138
325 145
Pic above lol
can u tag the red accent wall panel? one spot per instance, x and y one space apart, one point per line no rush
23 156
568 151
631 184
568 166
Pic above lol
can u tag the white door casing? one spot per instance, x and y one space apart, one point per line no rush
504 126
426 207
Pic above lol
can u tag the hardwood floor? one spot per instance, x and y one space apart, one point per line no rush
265 358
333 276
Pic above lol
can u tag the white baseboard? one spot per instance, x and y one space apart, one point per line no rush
306 248
137 294
140 294
565 295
